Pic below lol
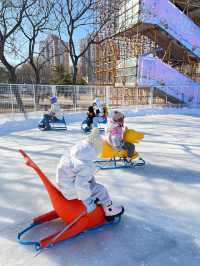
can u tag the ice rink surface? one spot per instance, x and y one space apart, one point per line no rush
161 224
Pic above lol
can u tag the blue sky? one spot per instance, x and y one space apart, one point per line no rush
22 43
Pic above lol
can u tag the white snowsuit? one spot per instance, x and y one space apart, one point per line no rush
98 105
75 174
55 108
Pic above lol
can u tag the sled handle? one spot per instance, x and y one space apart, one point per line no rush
27 159
33 165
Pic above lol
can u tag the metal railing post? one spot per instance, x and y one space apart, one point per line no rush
77 96
137 95
34 98
107 96
91 92
151 96
74 98
11 97
53 90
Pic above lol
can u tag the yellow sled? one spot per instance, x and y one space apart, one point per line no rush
111 158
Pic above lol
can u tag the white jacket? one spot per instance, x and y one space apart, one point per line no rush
55 108
75 171
98 105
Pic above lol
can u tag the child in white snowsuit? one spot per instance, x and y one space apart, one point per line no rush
55 111
76 176
54 115
101 113
115 135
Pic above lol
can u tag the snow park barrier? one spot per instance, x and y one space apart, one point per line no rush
15 98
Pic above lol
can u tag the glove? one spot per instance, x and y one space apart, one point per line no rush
89 204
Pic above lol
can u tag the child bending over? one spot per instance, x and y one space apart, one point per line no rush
76 176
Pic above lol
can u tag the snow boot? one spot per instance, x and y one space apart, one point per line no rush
138 162
87 129
128 160
44 127
111 211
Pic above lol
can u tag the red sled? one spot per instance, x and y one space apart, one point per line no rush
72 212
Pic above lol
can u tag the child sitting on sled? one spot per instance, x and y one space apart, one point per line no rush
101 112
115 134
76 176
90 116
54 115
93 114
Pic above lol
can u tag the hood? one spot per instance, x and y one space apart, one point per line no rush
83 151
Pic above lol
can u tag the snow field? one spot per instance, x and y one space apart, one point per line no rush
161 224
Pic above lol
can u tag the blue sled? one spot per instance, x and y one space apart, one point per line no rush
83 234
55 124
100 124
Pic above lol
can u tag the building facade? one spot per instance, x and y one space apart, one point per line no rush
88 60
53 52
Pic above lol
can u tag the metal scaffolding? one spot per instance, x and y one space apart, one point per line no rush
115 64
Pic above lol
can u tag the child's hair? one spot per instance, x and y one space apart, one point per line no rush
90 109
118 117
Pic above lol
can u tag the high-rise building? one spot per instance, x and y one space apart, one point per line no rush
88 60
54 52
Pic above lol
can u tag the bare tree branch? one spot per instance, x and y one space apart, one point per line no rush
37 21
12 14
74 15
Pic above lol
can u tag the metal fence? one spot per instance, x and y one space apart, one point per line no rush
28 98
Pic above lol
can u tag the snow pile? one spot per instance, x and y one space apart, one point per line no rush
160 111
19 122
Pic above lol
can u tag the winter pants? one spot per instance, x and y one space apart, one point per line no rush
95 122
100 193
89 121
99 119
47 119
130 147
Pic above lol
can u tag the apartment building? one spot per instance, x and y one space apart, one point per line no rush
54 52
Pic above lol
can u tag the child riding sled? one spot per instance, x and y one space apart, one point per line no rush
115 134
76 176
54 115
97 114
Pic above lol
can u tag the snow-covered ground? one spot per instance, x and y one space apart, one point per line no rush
161 224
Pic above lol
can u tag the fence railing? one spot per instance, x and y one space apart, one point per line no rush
28 98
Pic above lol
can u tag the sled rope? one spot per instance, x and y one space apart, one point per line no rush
58 235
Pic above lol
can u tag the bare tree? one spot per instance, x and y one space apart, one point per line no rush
25 74
11 16
37 22
3 75
88 15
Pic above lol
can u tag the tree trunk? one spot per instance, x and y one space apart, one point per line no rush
37 88
14 88
74 79
37 76
12 76
75 71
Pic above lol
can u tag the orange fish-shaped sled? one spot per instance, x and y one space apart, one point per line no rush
72 212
